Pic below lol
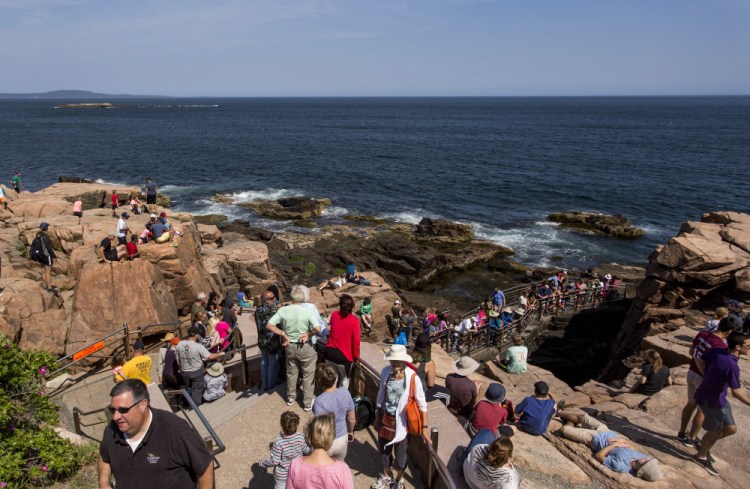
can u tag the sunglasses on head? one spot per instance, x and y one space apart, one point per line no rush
123 410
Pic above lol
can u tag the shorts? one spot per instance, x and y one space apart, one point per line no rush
123 240
693 382
78 214
715 419
111 255
46 261
151 199
114 206
17 189
163 238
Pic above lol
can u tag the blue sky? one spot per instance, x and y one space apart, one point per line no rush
374 48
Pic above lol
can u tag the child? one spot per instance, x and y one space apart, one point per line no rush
132 247
117 363
288 446
146 235
135 205
365 311
115 202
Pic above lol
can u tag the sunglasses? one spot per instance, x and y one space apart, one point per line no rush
123 410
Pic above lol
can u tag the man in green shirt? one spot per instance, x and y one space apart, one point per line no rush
296 324
16 181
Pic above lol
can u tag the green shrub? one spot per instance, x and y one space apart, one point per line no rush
310 269
32 453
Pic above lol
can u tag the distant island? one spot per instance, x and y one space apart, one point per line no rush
75 94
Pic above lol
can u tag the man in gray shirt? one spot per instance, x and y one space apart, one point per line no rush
190 356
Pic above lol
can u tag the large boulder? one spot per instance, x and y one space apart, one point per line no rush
113 293
696 271
443 228
31 316
607 225
289 207
240 263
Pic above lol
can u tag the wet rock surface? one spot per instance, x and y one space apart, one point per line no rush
606 225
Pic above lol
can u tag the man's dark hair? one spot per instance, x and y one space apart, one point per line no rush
726 325
136 387
736 338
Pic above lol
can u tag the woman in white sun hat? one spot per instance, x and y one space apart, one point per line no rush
390 420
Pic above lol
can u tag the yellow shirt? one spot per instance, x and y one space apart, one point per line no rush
138 368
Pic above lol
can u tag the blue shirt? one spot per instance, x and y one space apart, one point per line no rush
618 459
537 414
158 229
498 298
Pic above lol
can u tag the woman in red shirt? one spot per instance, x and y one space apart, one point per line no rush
343 341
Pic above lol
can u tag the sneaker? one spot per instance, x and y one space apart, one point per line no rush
307 409
289 401
399 484
696 443
707 464
710 458
688 442
382 482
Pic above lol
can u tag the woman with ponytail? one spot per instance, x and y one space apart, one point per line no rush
654 375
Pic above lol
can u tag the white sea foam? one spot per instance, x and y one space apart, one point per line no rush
409 217
334 211
265 194
173 189
105 182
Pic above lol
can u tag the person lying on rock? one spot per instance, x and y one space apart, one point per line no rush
610 448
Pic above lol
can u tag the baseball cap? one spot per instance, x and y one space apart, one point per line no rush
125 215
138 345
152 216
44 225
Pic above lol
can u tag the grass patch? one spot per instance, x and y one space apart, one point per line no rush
310 269
87 476
339 272
297 259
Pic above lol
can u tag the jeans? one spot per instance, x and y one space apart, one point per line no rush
195 385
269 370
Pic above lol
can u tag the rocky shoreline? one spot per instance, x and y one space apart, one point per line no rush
707 263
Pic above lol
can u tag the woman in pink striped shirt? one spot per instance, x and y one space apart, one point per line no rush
318 470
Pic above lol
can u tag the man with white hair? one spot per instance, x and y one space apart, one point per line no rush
198 306
296 324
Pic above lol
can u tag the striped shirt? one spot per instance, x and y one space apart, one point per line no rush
285 449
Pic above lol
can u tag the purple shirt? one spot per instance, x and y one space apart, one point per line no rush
722 371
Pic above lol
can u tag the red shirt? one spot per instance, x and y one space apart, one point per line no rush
114 199
488 416
345 335
132 248
702 343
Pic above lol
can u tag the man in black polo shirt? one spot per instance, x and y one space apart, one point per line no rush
150 448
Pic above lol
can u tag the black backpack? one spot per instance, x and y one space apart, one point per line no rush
364 412
36 253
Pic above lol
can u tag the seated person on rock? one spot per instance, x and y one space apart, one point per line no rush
332 283
535 412
611 449
654 375
132 247
243 299
160 232
491 413
490 466
464 391
514 361
108 251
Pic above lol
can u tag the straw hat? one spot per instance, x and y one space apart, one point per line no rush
168 337
397 352
215 370
465 365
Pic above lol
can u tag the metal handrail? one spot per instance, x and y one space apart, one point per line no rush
435 459
214 437
125 338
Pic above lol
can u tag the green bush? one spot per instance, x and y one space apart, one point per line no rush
32 453
310 269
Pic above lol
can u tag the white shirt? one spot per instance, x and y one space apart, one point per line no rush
122 228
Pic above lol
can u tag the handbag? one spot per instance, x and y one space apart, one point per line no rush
387 430
414 420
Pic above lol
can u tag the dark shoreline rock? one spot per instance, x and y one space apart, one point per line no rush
603 224
297 208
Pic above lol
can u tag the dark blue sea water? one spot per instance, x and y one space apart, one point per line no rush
500 164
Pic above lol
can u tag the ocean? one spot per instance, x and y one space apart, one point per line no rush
499 164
